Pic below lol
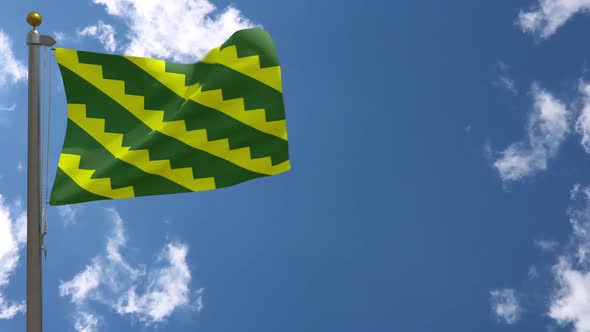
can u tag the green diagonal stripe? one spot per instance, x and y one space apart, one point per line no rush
78 142
234 85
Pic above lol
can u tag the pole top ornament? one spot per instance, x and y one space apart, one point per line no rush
34 19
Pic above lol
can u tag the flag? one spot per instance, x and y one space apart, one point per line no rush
139 126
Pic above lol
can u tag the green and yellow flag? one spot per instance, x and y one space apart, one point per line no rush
139 126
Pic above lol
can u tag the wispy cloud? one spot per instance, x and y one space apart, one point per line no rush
547 128
503 78
546 245
583 122
85 322
10 108
179 30
505 305
82 284
150 296
198 304
11 69
67 213
59 36
574 191
543 19
12 240
105 33
507 83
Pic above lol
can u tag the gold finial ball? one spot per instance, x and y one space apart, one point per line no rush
34 19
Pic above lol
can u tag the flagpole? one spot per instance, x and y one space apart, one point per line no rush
34 279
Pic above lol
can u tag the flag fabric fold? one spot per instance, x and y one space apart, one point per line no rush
139 126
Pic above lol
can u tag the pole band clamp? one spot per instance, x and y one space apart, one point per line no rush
34 38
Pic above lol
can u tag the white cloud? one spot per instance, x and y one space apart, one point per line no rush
182 30
546 245
546 129
569 294
9 244
11 69
533 273
549 15
116 241
580 221
67 213
109 270
82 284
9 310
19 166
86 322
505 305
167 289
105 33
570 301
12 240
150 296
583 122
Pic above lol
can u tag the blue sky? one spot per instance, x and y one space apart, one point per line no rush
438 175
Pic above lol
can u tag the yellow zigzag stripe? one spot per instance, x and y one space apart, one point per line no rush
248 65
139 158
154 119
70 164
234 108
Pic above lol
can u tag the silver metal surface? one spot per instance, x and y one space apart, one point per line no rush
34 268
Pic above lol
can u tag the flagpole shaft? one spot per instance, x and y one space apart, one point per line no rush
34 268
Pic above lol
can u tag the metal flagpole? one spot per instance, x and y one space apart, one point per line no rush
34 281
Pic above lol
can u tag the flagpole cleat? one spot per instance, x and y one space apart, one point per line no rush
43 233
